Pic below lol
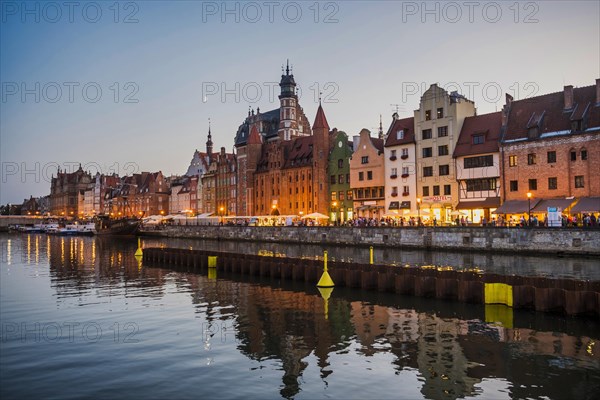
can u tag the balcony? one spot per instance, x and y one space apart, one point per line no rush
394 194
393 158
405 194
404 156
405 175
393 176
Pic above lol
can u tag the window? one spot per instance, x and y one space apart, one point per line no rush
428 115
479 161
533 184
405 171
425 191
444 170
341 178
394 171
364 160
341 196
512 161
405 152
440 113
361 176
476 185
427 171
347 178
426 134
478 139
406 190
436 190
573 155
442 131
584 154
333 196
393 154
427 152
369 175
349 195
551 157
394 190
340 163
531 159
447 190
579 183
443 150
514 186
400 134
552 184
332 180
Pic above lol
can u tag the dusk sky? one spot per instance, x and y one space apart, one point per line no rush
129 87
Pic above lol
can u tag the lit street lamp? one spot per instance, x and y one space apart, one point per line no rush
529 207
419 208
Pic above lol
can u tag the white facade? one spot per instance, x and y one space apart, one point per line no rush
400 178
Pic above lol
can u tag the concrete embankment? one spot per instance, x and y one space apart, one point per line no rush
566 296
561 241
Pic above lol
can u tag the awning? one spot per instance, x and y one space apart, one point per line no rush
405 205
516 206
561 203
586 204
490 202
394 205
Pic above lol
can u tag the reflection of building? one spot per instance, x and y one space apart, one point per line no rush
367 176
341 206
400 167
438 123
478 164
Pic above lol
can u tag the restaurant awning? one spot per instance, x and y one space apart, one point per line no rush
516 206
561 203
394 205
490 202
405 205
586 204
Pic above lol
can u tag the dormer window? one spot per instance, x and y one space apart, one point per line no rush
478 139
576 125
400 134
532 132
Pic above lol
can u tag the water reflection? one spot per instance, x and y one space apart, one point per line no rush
365 342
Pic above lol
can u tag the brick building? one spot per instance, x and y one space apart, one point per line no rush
66 190
139 195
551 148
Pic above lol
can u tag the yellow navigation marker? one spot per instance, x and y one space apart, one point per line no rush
371 255
139 261
498 293
325 281
212 261
326 294
212 273
139 252
499 313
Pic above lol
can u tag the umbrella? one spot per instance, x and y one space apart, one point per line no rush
315 215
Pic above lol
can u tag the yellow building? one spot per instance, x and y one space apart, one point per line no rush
367 176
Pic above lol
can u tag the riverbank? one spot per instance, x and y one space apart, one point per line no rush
554 241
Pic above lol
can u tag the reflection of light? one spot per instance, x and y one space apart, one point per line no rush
62 251
8 252
81 252
28 249
37 250
93 253
48 248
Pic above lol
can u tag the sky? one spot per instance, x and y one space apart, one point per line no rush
130 86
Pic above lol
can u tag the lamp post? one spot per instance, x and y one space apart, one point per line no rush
419 208
529 208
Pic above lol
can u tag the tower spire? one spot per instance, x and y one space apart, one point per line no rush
287 68
209 144
380 127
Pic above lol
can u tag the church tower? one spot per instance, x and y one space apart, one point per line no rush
209 145
288 122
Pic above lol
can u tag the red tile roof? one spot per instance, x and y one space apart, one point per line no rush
320 120
300 152
487 124
405 124
548 111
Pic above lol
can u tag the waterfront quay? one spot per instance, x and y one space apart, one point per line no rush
524 240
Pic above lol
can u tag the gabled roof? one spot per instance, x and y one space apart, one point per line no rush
407 125
487 124
300 152
254 137
378 143
547 112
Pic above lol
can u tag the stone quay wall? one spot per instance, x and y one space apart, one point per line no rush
559 241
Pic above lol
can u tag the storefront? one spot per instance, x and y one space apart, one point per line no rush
479 209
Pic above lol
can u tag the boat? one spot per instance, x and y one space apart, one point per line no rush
78 229
122 226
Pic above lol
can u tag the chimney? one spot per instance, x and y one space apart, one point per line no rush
506 109
222 151
568 97
598 91
355 140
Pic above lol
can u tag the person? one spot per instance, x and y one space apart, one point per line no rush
434 221
483 221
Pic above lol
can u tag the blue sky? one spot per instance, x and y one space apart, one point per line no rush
128 87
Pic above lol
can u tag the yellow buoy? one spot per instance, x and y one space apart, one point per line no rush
325 281
139 252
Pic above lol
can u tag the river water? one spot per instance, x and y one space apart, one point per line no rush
81 317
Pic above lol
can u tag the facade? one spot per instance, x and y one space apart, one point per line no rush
341 206
225 178
66 190
139 195
438 123
198 167
281 161
550 148
400 168
478 167
94 195
208 192
367 176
